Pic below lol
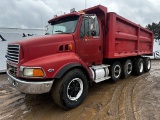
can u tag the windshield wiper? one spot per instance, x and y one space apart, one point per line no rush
62 32
59 31
46 33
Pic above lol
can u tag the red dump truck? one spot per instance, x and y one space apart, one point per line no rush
79 48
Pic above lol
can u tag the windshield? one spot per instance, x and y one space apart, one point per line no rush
65 25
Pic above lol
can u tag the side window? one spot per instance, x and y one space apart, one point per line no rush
84 27
97 27
89 27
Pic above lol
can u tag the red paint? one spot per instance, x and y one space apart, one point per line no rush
125 38
118 38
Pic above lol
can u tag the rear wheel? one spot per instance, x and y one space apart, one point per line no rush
116 71
138 66
71 90
147 64
127 68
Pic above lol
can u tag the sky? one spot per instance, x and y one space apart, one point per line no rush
36 13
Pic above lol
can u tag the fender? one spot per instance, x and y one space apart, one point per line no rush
66 68
60 63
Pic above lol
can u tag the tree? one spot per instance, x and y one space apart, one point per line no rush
155 28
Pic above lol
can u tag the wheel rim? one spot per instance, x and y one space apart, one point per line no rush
149 64
117 71
75 89
141 67
129 68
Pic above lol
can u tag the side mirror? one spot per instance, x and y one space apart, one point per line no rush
93 32
46 29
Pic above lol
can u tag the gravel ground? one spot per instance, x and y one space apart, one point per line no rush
134 98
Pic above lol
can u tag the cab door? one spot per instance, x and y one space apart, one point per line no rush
89 44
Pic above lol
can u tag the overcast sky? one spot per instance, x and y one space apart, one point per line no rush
36 13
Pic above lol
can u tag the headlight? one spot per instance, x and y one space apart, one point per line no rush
33 72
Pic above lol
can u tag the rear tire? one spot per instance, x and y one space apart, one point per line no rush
116 70
147 64
138 66
71 90
127 67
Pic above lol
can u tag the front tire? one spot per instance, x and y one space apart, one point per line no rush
71 90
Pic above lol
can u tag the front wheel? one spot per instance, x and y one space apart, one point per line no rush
71 90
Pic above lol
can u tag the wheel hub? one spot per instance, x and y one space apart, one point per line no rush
117 71
129 70
141 67
149 64
75 89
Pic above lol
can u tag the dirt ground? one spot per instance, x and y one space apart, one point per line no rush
134 98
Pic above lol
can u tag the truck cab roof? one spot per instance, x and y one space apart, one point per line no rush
63 16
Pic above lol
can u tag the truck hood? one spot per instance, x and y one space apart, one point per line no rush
36 47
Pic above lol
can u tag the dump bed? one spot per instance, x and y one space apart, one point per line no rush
125 38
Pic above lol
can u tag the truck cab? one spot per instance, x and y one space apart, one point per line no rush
86 32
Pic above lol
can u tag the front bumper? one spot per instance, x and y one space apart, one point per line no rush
29 87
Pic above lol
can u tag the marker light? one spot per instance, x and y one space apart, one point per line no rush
70 47
81 12
38 73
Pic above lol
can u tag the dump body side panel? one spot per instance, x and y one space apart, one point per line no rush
125 38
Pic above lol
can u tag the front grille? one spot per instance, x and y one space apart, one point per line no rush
13 53
12 70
